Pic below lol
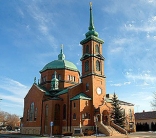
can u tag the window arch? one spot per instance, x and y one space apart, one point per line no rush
97 65
53 76
87 86
74 104
46 111
31 117
97 50
87 49
74 116
35 113
28 115
59 76
57 113
64 111
87 65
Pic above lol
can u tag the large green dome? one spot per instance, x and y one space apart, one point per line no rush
61 63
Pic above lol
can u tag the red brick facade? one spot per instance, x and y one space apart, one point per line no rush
74 105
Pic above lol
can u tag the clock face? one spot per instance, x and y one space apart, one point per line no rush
98 90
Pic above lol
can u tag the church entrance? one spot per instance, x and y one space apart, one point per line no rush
56 127
105 117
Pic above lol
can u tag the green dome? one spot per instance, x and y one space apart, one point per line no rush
91 32
60 64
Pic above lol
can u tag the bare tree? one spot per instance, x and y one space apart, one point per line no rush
153 102
13 120
10 120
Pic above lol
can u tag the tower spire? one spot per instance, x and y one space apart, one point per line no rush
91 27
91 24
61 56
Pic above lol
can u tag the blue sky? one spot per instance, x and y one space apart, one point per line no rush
31 32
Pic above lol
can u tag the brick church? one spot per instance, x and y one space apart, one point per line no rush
69 102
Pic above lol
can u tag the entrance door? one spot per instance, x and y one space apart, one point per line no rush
105 117
56 128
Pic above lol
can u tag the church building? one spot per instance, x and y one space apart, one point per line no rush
70 103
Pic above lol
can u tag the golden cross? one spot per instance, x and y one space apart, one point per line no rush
90 4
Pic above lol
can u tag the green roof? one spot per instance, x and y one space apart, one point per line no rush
62 92
81 96
61 63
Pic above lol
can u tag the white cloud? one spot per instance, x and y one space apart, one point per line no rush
121 84
145 76
116 50
143 26
14 87
12 94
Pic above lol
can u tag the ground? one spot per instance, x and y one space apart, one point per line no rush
132 135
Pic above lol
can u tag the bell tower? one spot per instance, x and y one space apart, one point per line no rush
93 77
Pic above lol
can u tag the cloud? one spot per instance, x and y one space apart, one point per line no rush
120 84
144 76
143 95
12 86
142 26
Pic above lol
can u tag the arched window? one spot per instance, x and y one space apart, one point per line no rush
74 78
68 77
31 118
87 65
59 76
74 105
53 75
64 111
97 50
57 112
97 65
46 111
35 113
87 49
87 86
74 116
46 117
28 115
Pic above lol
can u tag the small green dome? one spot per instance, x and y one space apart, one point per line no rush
92 32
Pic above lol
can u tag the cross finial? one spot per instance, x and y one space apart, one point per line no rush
90 4
61 46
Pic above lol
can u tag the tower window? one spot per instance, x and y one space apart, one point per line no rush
97 65
74 116
86 103
74 104
87 49
87 86
87 65
97 50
